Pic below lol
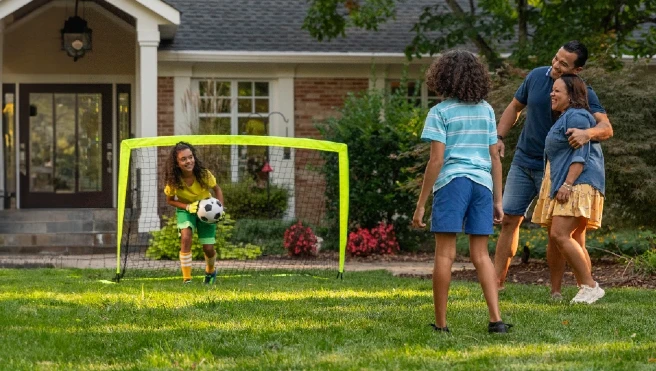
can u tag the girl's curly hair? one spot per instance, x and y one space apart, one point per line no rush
173 171
459 74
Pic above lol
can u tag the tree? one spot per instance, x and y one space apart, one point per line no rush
610 28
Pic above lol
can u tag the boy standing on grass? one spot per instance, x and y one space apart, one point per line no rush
462 134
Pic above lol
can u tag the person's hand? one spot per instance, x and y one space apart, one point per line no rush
577 137
563 194
498 213
192 207
417 219
501 147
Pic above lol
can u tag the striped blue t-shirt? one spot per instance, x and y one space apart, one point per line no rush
468 130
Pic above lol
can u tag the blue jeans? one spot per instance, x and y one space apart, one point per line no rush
522 185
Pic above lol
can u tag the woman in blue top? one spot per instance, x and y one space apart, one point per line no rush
572 193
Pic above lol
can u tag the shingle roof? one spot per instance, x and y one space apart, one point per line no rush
275 26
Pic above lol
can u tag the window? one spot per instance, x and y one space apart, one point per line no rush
235 107
418 95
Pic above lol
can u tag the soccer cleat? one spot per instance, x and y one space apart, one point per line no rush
588 295
184 282
210 278
498 327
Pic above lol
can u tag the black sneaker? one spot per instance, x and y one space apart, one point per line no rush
498 327
440 329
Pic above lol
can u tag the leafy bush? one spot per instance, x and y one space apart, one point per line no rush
300 240
267 233
646 263
379 240
247 200
165 243
377 127
601 242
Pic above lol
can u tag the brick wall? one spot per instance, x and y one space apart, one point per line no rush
165 106
315 100
165 126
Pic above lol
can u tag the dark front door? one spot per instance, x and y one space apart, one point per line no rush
65 145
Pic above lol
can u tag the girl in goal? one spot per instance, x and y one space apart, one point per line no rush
188 182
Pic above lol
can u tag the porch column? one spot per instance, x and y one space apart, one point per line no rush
147 77
148 40
3 191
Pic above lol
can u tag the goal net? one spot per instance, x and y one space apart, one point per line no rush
286 204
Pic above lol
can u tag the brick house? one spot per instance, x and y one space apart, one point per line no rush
70 96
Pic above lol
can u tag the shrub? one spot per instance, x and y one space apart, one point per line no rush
165 243
377 170
646 263
267 233
601 242
379 240
247 200
300 240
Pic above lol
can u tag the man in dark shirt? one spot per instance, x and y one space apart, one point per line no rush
527 168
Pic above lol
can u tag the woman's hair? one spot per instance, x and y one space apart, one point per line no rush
173 171
459 74
577 91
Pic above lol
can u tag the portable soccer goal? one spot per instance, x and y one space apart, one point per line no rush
286 203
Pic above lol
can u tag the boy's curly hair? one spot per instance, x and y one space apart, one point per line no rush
459 74
173 171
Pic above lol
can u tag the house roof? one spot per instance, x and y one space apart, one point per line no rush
275 26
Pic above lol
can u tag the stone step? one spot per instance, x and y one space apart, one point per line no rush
68 226
56 215
12 241
41 221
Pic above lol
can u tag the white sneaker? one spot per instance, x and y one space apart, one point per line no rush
589 295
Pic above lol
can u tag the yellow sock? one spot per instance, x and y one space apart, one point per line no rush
185 264
210 263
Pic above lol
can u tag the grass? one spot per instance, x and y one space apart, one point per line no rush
70 320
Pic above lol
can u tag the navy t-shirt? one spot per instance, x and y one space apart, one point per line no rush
535 94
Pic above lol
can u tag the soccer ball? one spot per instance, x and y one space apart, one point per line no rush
210 210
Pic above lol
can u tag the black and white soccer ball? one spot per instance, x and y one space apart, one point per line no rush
210 210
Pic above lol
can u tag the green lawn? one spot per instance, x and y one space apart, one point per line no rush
69 319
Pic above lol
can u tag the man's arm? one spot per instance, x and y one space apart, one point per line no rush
602 131
508 120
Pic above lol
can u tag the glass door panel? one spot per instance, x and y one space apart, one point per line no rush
41 131
65 156
89 142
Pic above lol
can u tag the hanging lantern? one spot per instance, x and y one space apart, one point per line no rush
76 36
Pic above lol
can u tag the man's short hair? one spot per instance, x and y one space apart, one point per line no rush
581 51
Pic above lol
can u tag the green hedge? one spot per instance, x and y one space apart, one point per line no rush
246 200
165 243
377 127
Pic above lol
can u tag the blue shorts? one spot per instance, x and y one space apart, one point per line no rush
462 201
522 186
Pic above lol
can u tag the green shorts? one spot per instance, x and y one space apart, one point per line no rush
206 232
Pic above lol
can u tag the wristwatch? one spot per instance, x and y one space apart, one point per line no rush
500 137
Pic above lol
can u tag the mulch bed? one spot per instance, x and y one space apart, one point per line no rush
608 272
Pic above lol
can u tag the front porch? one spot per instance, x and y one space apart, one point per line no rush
64 117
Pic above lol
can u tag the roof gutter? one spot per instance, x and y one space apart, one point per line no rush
283 57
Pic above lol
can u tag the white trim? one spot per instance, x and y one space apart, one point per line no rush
63 4
9 6
68 79
284 57
163 9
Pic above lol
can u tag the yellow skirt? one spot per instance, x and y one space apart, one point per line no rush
584 201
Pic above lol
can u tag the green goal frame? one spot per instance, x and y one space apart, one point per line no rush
341 149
